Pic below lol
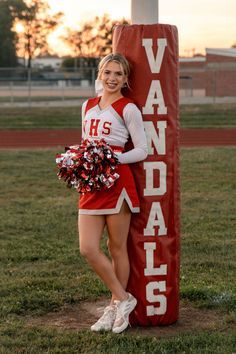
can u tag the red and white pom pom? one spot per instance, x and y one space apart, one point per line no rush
88 167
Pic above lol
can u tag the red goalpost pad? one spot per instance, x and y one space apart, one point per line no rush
153 244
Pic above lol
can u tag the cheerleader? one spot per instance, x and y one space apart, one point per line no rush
114 118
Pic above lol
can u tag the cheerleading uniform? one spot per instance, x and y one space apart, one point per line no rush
114 124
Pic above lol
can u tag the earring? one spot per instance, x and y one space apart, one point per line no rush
125 85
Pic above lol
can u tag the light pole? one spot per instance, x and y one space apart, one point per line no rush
144 12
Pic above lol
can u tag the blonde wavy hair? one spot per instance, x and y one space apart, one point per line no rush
118 58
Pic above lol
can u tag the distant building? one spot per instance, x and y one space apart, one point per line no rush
47 61
220 72
210 75
44 62
192 75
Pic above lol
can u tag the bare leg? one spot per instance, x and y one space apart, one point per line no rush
90 232
118 229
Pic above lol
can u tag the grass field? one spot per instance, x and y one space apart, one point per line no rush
41 269
40 118
191 116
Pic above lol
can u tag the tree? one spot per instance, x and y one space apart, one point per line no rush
94 39
105 30
37 24
8 9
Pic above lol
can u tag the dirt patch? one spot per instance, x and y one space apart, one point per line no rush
83 315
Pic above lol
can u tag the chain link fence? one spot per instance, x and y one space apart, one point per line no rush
30 86
34 85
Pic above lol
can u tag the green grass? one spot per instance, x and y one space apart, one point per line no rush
23 118
38 340
191 116
208 223
208 116
41 268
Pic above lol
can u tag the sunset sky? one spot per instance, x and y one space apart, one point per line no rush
201 23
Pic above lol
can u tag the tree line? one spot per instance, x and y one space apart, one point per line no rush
25 26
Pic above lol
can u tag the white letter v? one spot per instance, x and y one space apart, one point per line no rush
154 63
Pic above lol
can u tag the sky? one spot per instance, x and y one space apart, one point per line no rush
201 23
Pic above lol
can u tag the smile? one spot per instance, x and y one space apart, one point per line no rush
111 85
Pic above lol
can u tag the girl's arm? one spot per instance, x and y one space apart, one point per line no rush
134 123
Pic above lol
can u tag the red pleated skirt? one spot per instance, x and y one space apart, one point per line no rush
109 201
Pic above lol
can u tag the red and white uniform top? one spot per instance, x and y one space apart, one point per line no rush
115 124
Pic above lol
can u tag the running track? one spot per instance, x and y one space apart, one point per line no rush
53 138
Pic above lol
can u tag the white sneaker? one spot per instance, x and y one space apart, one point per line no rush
124 308
105 323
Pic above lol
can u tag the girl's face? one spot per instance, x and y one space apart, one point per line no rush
113 77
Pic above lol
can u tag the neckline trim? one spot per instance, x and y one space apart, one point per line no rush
110 105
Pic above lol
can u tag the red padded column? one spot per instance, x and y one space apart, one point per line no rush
153 244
